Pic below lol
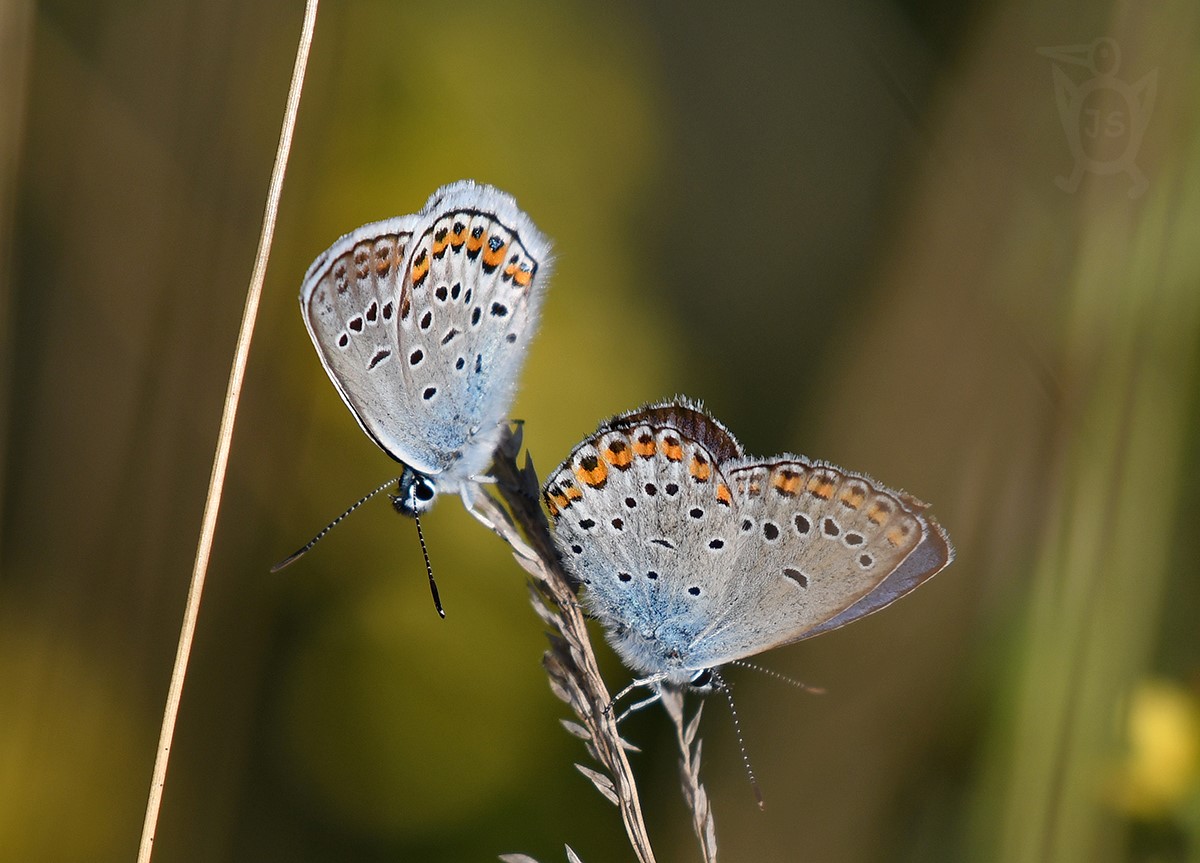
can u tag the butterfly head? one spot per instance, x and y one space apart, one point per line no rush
415 493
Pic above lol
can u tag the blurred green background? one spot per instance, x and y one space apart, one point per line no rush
836 224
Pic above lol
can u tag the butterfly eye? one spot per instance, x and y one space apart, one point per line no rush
702 679
424 490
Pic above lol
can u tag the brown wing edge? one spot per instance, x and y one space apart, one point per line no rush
686 416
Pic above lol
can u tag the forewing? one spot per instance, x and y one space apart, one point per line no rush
636 508
475 281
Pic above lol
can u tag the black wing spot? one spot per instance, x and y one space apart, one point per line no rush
476 313
416 357
379 357
499 310
429 393
830 527
426 320
803 525
716 544
652 575
624 576
460 362
618 523
694 591
665 543
796 576
770 531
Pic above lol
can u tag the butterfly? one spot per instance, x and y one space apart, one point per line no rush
422 323
693 555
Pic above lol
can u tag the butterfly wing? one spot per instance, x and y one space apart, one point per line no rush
817 548
476 279
636 508
350 301
393 306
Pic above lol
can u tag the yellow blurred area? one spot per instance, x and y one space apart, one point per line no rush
61 750
1162 769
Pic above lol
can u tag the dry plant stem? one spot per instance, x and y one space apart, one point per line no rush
571 662
689 773
212 503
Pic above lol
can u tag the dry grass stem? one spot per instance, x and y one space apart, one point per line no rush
689 773
212 503
571 663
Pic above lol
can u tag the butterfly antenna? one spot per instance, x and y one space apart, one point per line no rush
296 555
737 730
437 600
741 663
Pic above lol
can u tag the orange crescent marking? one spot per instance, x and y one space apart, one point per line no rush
644 448
494 259
595 477
820 487
877 514
786 482
852 498
618 458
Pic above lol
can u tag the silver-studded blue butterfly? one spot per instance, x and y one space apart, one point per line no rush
422 323
692 554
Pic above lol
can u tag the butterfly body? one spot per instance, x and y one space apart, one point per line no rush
693 555
422 323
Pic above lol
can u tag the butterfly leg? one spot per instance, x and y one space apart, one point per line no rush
648 682
638 705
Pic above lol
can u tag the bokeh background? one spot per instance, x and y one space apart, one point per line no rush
838 224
